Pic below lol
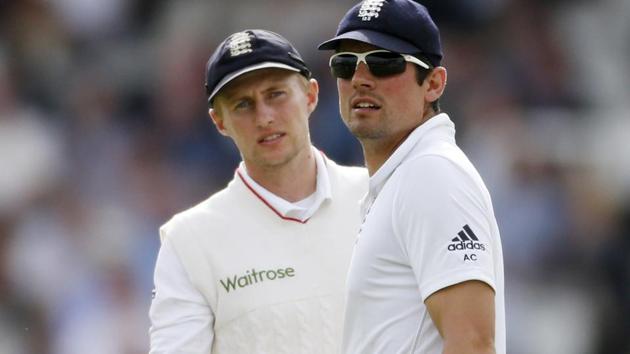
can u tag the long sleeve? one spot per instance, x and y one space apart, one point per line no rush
181 319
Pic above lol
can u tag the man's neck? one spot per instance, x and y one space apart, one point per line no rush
377 151
292 181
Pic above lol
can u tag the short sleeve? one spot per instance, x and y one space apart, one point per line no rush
441 220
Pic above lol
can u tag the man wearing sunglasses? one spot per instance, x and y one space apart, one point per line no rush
260 266
427 269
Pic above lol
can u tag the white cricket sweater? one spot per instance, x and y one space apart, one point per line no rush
271 284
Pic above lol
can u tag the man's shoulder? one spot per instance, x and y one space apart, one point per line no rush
434 162
440 173
439 160
351 182
212 209
351 173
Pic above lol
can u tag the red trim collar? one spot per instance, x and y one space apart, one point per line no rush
267 203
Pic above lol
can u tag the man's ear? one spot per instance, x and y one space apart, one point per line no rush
312 95
437 83
217 119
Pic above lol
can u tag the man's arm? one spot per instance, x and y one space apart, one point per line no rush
181 320
464 315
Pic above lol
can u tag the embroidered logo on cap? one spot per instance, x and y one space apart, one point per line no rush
240 44
370 9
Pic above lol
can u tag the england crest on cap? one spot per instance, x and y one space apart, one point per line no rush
240 44
369 9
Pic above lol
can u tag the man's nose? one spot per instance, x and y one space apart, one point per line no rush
362 77
265 115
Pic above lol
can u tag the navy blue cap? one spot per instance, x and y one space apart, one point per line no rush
401 26
247 51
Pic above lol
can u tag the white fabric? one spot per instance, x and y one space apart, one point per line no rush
421 204
285 277
178 299
303 209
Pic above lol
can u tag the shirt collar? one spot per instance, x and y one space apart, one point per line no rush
439 126
301 210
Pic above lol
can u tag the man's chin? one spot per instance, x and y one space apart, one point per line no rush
270 162
364 132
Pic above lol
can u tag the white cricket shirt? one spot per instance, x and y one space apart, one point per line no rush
428 224
248 272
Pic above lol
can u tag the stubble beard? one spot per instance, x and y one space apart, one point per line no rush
364 131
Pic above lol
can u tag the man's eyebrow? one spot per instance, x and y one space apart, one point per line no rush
230 96
275 86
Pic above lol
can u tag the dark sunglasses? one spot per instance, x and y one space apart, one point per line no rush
381 63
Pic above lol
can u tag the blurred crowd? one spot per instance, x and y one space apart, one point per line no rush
104 134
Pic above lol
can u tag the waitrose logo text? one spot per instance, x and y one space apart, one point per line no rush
253 277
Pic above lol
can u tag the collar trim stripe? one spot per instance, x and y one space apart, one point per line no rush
267 203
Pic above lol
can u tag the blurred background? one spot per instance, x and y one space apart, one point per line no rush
104 135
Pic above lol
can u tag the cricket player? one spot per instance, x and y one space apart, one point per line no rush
426 275
260 266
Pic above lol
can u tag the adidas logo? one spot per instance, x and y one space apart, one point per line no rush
466 240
